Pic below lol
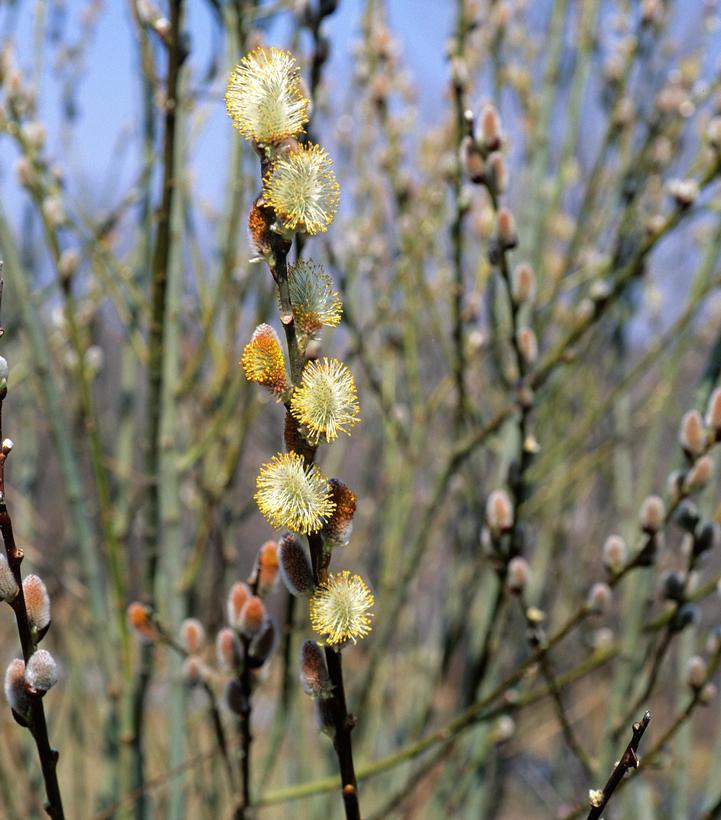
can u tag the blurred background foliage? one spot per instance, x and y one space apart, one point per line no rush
611 153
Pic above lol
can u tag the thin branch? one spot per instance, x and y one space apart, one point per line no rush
629 760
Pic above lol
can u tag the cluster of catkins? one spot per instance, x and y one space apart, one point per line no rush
266 101
25 681
245 644
697 437
482 163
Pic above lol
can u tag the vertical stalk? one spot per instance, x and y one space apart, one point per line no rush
158 296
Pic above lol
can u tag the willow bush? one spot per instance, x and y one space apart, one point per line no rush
363 424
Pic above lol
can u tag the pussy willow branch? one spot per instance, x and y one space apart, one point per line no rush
460 210
481 711
629 760
343 722
159 281
213 708
38 725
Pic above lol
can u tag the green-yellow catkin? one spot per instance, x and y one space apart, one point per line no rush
340 608
302 189
292 494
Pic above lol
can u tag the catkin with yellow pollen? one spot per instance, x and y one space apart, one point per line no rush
313 297
340 608
292 494
302 189
264 97
263 362
325 402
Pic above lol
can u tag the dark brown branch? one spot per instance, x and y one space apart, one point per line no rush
629 760
38 725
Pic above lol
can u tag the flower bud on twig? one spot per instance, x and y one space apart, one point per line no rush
652 514
41 672
192 636
614 553
238 595
490 128
506 229
252 616
15 688
517 575
267 567
523 283
713 412
599 596
696 671
8 584
499 512
295 569
699 475
37 603
692 435
527 344
227 649
314 676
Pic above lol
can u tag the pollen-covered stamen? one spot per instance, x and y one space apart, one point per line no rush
293 495
325 401
264 97
339 609
263 361
302 189
313 296
337 530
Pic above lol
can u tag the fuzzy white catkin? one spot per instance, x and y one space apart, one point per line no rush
652 514
692 435
41 672
499 511
518 572
15 686
8 585
37 602
192 635
614 552
599 597
696 671
226 648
